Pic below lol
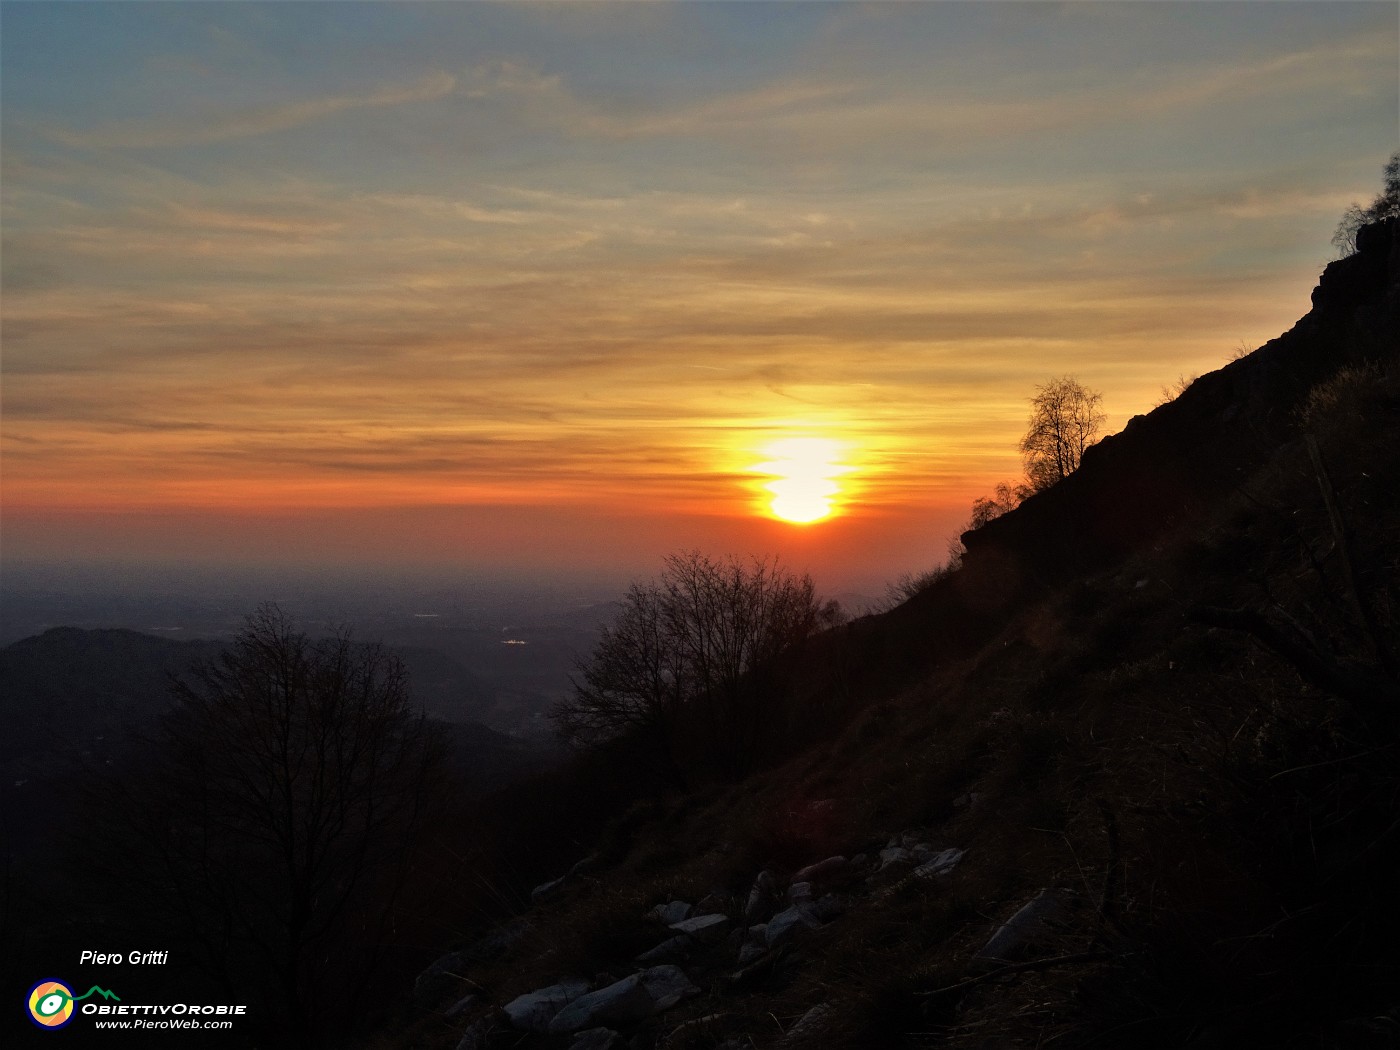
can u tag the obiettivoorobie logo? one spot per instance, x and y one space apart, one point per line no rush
51 1002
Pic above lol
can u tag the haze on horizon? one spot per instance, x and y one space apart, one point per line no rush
509 286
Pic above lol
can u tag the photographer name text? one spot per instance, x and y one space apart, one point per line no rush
137 958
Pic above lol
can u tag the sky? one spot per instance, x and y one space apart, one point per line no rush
545 286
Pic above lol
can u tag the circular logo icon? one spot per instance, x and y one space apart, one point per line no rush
51 1004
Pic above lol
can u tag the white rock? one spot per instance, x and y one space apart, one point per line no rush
786 923
620 1002
670 913
1017 931
436 977
800 892
821 870
667 986
594 1039
668 950
895 855
810 1024
460 1007
583 867
478 1034
546 890
702 927
694 1031
750 952
765 888
711 902
534 1011
630 999
940 863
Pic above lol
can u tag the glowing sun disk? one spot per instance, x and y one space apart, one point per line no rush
805 470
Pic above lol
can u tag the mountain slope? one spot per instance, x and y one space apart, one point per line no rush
1131 701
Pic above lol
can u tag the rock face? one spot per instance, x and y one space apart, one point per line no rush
533 1011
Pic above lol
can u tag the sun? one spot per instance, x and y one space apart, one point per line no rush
804 471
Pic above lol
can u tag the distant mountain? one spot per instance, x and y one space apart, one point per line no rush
79 695
68 690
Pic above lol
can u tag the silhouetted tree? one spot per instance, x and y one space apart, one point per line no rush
277 814
1385 206
687 654
1065 420
1006 497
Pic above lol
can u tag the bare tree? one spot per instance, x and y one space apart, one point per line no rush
277 814
1065 420
688 651
1006 497
1385 206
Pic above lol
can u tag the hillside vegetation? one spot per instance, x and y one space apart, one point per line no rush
1153 717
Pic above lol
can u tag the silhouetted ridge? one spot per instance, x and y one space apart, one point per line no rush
1165 468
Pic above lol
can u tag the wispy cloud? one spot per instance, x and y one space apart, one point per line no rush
832 112
219 126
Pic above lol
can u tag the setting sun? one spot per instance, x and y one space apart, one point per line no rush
804 474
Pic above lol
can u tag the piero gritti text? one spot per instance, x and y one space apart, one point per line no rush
136 958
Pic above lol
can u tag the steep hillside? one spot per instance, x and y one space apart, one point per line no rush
1127 778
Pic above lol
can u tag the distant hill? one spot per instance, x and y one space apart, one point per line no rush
78 696
69 690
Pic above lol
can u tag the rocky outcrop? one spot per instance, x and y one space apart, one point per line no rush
599 1013
534 1011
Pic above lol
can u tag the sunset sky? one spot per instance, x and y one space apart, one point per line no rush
513 285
